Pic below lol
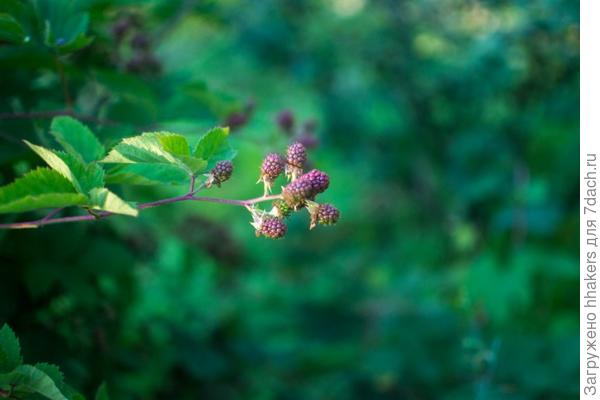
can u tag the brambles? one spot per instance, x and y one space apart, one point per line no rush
77 175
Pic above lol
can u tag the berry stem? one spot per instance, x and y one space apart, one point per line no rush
47 220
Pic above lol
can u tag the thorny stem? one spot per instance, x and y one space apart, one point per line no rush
47 220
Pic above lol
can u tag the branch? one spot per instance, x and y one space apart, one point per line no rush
48 219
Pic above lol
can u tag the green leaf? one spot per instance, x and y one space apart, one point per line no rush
64 24
147 174
174 143
105 200
102 393
140 149
56 163
77 139
40 188
212 143
10 350
53 372
27 379
10 29
88 176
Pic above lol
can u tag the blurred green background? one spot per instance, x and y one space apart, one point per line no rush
449 129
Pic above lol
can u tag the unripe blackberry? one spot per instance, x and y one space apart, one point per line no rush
272 228
319 180
296 154
297 192
281 209
285 120
220 173
324 214
327 214
271 168
296 158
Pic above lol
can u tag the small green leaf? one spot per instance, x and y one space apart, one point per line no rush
212 143
40 188
53 372
105 200
76 139
27 379
10 29
55 162
10 350
102 393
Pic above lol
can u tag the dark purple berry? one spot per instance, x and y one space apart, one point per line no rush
285 120
272 167
222 171
327 214
296 155
297 192
272 228
319 180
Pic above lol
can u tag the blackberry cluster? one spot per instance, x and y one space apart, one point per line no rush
134 46
220 173
300 193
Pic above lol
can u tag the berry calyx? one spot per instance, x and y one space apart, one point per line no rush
220 173
271 168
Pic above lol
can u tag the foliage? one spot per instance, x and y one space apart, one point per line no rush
449 129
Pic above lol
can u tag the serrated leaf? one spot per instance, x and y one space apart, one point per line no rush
10 29
105 200
40 188
213 142
56 163
102 393
53 372
140 149
10 350
147 174
27 379
151 158
77 139
88 176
